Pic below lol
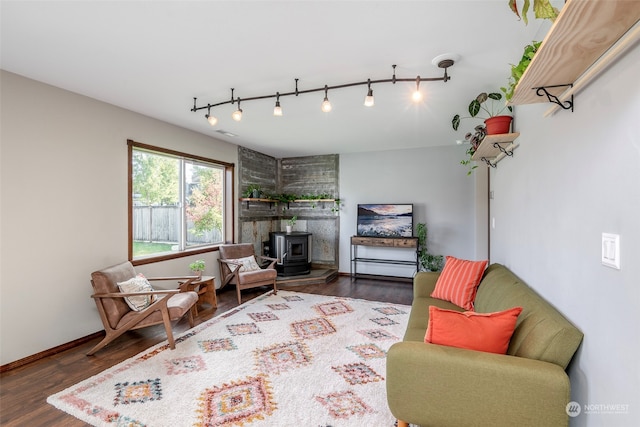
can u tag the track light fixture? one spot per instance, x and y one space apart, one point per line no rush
368 100
417 95
211 119
326 105
277 110
237 115
443 61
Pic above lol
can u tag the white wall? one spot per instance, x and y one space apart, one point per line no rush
575 176
433 180
64 207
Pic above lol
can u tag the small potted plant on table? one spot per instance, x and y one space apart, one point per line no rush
197 267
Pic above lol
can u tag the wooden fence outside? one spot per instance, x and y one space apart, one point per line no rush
161 224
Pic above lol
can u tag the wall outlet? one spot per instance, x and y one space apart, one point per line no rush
611 250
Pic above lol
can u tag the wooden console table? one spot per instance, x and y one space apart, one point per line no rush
382 242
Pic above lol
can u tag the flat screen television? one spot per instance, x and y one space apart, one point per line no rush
392 220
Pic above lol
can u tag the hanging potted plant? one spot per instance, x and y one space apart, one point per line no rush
488 107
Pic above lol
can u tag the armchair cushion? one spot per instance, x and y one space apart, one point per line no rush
137 284
248 263
459 281
489 332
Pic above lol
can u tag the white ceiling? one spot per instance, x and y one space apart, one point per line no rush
153 57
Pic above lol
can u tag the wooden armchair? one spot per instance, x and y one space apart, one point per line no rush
238 266
118 317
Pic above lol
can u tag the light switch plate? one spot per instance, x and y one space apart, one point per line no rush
611 250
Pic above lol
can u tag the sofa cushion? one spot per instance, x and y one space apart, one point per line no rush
459 281
489 332
541 332
137 284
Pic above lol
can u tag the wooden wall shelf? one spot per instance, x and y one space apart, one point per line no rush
494 148
272 201
582 33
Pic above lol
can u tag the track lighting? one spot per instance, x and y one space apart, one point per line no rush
326 105
368 100
237 115
417 95
277 110
442 61
211 119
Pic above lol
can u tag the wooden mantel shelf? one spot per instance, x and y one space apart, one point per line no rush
582 33
494 146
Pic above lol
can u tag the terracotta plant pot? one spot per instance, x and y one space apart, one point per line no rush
498 124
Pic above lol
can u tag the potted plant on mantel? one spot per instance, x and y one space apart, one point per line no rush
290 223
488 107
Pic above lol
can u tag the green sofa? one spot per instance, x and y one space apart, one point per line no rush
435 385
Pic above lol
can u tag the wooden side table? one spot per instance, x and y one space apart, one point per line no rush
205 287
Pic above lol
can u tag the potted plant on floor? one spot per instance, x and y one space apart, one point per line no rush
197 267
428 262
490 108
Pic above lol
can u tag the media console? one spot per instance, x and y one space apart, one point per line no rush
382 242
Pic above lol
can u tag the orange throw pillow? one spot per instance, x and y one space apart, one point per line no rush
490 332
459 281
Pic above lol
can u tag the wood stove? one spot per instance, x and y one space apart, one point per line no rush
292 250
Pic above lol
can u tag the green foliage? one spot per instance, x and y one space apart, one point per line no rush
542 10
427 261
205 201
197 265
251 188
293 220
474 139
155 178
518 70
488 103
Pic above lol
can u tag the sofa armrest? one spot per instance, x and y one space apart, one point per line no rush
424 282
433 385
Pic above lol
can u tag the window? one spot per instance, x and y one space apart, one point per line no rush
178 202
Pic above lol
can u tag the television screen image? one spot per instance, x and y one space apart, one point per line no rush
385 220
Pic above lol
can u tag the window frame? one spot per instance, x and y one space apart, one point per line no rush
229 206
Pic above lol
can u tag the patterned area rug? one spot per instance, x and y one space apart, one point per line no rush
290 359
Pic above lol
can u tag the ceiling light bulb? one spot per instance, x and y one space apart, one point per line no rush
326 105
368 100
417 95
277 110
211 119
237 115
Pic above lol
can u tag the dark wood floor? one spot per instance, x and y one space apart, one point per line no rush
24 390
